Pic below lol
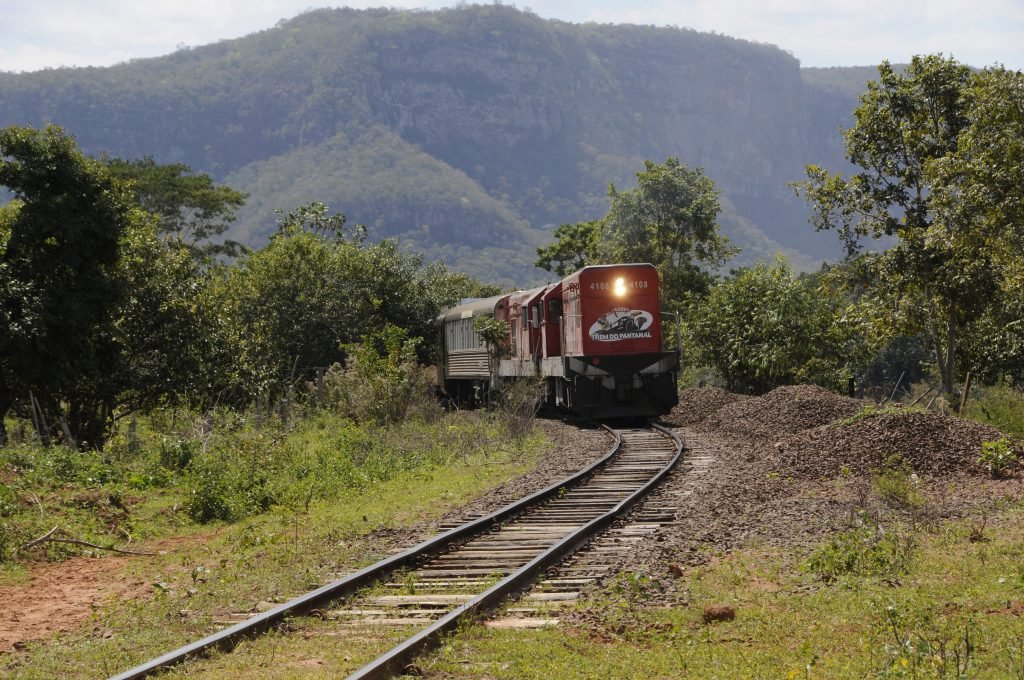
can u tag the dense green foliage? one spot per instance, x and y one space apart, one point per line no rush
575 247
109 309
669 220
62 288
765 327
935 175
318 286
188 206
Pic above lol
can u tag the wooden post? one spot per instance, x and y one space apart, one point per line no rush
67 433
929 391
963 397
320 385
893 395
35 415
42 429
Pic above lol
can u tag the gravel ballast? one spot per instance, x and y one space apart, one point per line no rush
927 443
784 410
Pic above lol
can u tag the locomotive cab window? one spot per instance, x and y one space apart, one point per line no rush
535 315
555 312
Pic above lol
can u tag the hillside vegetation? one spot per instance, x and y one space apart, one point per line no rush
461 128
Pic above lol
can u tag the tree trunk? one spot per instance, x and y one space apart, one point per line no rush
945 345
947 363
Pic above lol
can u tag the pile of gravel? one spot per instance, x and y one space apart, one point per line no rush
926 442
783 411
697 403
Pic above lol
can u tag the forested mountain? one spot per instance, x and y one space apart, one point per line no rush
470 132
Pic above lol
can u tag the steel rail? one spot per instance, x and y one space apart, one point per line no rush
394 661
315 599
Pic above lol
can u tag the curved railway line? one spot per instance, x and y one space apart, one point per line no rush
471 569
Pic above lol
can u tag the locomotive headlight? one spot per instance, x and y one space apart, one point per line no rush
620 287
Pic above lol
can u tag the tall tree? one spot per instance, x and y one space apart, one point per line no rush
172 333
668 219
318 286
575 247
941 273
61 291
188 205
980 184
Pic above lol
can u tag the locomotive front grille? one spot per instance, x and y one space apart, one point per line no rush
468 364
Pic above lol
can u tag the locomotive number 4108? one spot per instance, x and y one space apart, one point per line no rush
619 284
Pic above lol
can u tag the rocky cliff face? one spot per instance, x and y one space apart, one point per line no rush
630 92
464 128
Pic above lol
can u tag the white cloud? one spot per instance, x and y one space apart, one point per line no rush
103 32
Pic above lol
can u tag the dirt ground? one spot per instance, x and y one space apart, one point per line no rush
60 596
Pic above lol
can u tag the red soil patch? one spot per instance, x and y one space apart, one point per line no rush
59 596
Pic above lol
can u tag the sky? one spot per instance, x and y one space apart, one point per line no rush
38 34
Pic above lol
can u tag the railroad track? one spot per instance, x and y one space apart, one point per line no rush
472 569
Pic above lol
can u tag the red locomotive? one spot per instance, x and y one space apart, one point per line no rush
594 337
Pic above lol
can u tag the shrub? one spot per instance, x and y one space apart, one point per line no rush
766 326
517 406
895 486
998 457
176 454
8 501
1000 406
494 333
864 551
918 643
8 507
210 494
381 382
6 542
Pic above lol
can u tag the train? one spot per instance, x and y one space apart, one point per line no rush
593 338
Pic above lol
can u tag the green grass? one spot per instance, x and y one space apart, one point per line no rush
182 474
999 406
338 496
790 624
875 411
